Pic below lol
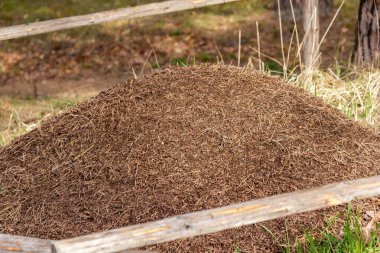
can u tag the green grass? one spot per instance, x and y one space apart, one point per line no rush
354 92
237 248
351 240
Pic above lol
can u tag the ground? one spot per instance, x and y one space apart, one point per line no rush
45 74
75 64
185 139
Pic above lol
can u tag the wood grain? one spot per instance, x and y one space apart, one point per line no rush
22 244
311 29
18 244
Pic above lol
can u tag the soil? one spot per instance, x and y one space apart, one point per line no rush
181 140
66 88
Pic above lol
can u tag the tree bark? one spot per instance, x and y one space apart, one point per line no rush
325 8
367 42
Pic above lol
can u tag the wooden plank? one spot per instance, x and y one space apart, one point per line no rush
214 220
18 244
22 244
18 31
311 28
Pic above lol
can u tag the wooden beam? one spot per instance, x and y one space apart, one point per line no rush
311 29
18 31
22 244
214 220
19 244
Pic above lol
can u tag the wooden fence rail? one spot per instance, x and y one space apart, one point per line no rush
202 222
24 30
186 225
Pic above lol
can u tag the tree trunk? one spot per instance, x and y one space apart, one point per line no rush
325 8
367 33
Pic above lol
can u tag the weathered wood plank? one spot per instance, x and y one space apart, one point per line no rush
22 244
214 220
311 28
18 244
18 31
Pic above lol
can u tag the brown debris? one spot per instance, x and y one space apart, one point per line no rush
181 140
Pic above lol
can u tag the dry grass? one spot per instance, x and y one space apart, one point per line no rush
19 116
356 93
181 140
352 90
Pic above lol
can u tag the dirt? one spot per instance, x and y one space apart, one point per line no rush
177 141
67 88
